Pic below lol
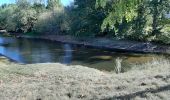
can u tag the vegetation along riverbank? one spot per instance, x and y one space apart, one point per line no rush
138 26
146 21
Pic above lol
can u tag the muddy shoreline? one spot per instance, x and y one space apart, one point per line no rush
108 44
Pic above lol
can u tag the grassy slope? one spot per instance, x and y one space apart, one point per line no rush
50 81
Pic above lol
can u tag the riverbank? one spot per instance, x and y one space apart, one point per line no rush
49 81
109 44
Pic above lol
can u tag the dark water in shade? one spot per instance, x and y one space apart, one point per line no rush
30 51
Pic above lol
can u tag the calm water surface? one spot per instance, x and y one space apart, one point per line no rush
30 51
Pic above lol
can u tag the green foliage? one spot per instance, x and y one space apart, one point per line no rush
86 20
7 16
165 36
39 7
118 10
23 4
25 20
50 22
131 18
121 19
28 16
139 24
19 17
158 8
53 4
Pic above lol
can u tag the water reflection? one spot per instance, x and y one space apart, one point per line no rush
38 51
67 58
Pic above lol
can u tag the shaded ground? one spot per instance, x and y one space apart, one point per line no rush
109 44
53 81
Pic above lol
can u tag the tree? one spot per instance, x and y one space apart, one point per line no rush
136 13
117 10
39 7
158 10
53 4
7 15
25 16
139 23
22 4
86 19
52 20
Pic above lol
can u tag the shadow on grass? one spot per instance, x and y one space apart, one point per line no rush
140 93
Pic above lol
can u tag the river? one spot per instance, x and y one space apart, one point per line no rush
29 51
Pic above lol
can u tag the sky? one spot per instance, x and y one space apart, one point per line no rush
64 2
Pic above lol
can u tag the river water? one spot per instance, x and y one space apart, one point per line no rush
29 51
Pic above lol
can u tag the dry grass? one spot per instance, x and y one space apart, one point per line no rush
56 81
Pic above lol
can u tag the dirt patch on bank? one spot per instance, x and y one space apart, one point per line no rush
53 81
107 43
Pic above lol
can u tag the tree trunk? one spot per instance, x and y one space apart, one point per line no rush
155 30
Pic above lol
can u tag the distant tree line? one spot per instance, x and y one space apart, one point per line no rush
33 16
121 19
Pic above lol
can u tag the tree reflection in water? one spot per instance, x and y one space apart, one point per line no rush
67 58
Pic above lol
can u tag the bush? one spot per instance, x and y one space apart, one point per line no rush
7 17
51 22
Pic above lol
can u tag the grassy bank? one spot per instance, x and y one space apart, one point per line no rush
51 80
